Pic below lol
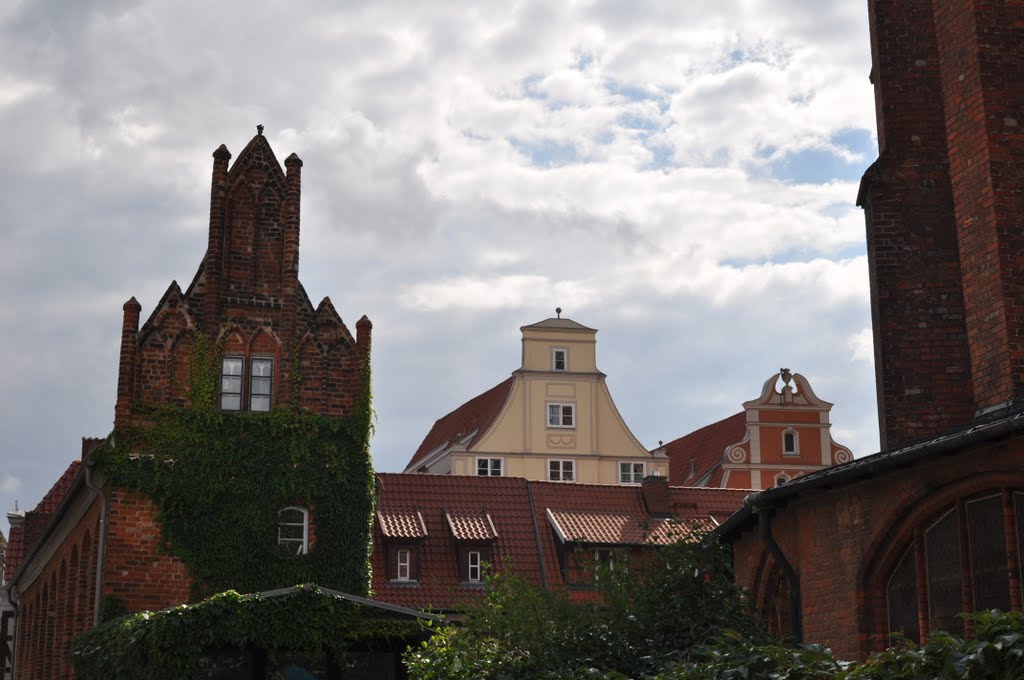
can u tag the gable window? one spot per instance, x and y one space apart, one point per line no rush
632 473
559 359
260 382
561 470
790 443
488 467
293 530
231 384
561 415
474 566
403 562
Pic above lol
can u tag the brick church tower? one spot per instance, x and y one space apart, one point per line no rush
247 297
943 206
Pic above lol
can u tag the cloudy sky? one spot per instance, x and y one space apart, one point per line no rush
679 175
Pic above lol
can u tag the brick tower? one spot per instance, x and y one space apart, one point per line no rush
943 206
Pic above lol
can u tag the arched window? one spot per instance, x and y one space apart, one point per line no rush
293 530
790 442
964 558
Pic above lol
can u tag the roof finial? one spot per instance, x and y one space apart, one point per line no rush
259 129
558 311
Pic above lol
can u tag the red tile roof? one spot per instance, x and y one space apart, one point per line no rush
473 417
498 510
505 499
24 538
402 524
471 526
705 448
611 528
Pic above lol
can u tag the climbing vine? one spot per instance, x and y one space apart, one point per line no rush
184 641
219 479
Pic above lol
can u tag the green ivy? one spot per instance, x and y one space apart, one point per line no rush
176 643
219 479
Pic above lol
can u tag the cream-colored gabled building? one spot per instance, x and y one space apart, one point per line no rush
552 420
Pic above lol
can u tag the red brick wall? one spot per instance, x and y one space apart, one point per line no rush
247 289
981 60
136 571
845 542
921 356
59 604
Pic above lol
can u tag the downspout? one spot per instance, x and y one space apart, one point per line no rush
792 578
101 541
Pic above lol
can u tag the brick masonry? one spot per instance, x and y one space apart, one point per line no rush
245 294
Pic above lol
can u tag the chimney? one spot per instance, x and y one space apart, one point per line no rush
364 327
126 361
90 444
656 496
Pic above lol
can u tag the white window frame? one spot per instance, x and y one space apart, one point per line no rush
474 562
555 351
632 471
561 414
562 462
240 376
403 570
303 544
796 442
253 378
490 466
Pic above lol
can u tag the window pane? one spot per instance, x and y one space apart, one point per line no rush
986 532
262 367
566 415
231 366
259 403
553 414
901 597
945 588
482 467
230 402
567 470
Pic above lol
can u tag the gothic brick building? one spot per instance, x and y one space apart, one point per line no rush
934 524
90 541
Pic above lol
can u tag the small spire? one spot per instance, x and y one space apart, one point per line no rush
259 129
558 311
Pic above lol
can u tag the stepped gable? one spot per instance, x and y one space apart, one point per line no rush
247 296
472 418
705 447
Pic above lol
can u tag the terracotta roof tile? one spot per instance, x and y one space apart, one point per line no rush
471 526
705 448
24 538
475 416
504 499
498 510
402 524
608 528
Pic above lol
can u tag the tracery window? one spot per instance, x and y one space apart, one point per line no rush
965 558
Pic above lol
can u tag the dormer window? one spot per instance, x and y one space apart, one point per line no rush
474 566
559 359
790 443
293 530
403 564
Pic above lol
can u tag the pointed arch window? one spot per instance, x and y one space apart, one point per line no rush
293 530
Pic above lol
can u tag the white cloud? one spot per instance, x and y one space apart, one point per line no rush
468 167
10 484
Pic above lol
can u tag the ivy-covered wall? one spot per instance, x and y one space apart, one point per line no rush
218 480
